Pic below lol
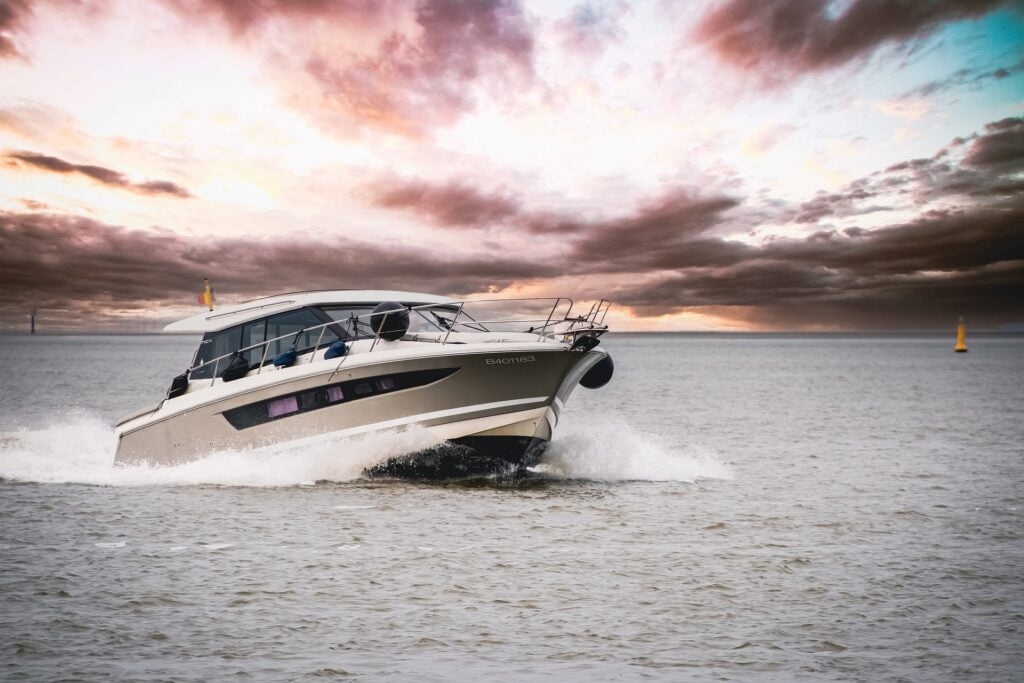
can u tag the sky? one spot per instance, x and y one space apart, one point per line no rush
740 165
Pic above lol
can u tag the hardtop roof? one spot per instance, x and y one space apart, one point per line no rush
254 309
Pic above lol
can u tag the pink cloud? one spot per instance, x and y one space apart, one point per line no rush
804 35
100 174
417 80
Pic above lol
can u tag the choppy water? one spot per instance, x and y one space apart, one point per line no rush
730 508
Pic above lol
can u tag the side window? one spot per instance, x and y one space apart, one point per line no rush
432 319
254 333
214 345
292 322
349 319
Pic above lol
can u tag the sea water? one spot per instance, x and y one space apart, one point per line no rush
730 507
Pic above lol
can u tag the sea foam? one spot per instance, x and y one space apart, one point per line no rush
81 451
607 448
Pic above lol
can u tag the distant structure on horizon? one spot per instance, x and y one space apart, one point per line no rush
32 323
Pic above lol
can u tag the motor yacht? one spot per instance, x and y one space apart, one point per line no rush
488 379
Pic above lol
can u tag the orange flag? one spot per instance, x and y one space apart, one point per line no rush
206 297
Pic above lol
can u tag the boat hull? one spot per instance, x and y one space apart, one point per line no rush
495 408
466 457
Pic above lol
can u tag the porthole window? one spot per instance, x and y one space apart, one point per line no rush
296 403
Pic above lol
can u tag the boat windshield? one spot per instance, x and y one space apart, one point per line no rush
352 321
355 320
290 325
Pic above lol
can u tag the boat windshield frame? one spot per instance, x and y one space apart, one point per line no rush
591 323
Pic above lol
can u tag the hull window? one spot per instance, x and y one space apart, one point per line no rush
282 406
279 407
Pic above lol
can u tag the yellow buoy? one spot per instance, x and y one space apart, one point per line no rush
961 334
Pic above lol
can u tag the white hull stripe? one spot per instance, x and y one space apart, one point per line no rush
410 419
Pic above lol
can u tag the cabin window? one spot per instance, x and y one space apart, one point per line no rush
224 342
354 321
254 333
291 323
438 319
215 345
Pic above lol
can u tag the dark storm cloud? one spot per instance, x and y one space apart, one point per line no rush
452 204
939 240
653 233
917 273
52 260
457 204
806 35
1000 147
99 173
413 83
987 297
653 227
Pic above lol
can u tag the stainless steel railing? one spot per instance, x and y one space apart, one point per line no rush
589 322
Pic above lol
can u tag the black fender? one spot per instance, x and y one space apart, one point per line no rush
600 374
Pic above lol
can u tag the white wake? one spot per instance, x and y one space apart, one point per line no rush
609 449
82 452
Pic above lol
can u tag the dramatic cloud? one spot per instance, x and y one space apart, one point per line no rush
69 262
450 205
940 240
806 35
99 173
518 146
416 81
941 265
653 236
429 60
1000 147
653 229
922 273
984 165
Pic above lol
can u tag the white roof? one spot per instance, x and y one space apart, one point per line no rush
229 316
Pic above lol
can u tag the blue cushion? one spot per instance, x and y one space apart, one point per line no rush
287 358
338 348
